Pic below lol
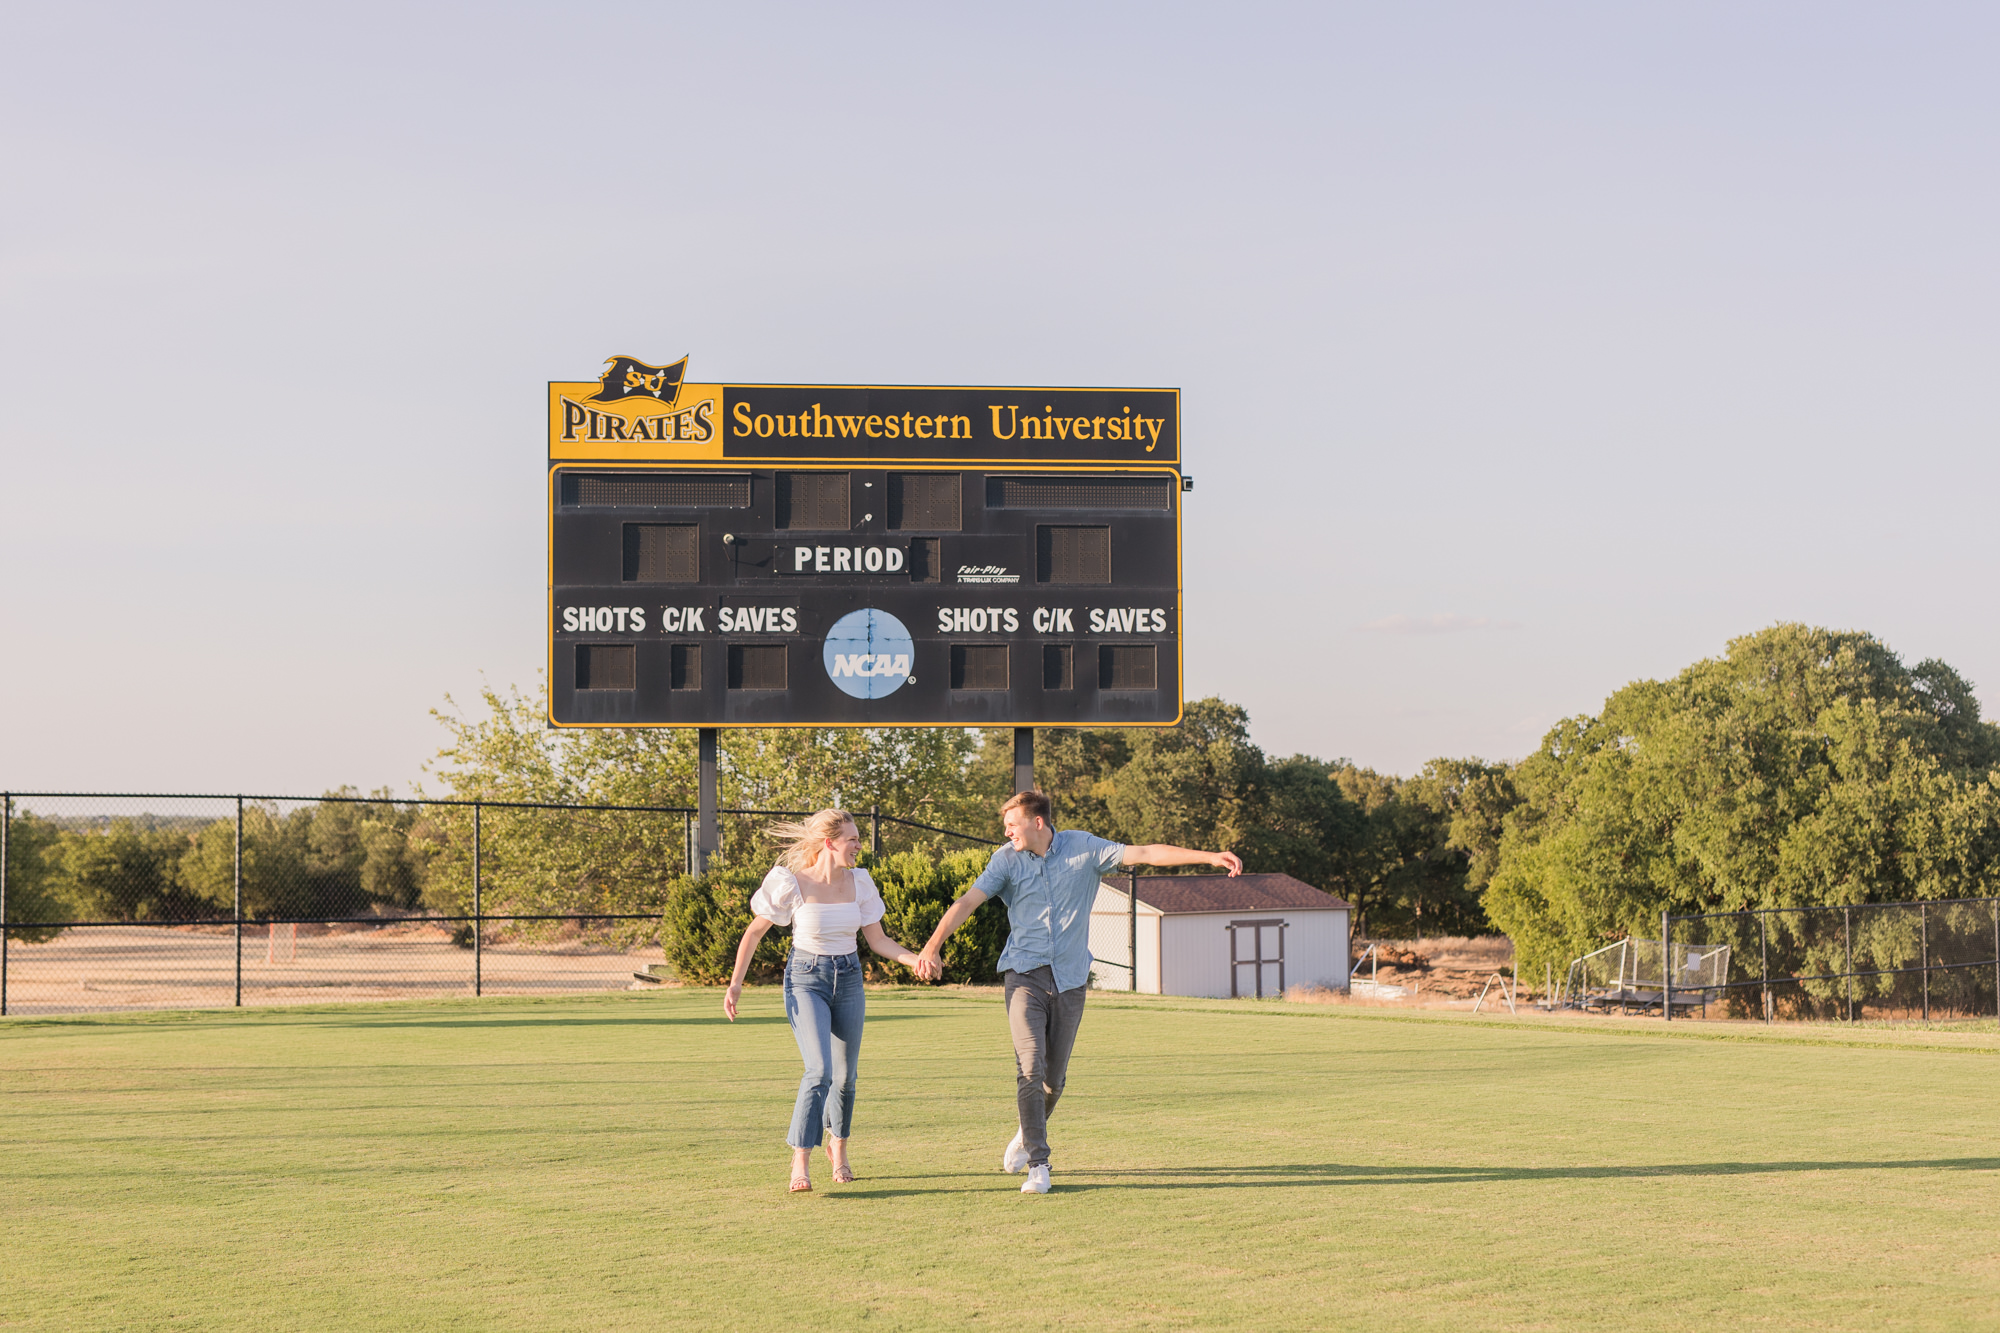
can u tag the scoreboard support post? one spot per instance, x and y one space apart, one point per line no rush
1024 759
707 837
7 818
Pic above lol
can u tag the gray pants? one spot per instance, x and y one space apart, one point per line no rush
1044 1022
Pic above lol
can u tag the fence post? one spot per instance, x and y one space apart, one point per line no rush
6 820
709 838
1847 947
1666 968
1764 965
238 894
1924 939
1132 925
478 909
687 842
1995 905
875 829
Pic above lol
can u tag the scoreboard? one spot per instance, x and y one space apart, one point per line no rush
861 555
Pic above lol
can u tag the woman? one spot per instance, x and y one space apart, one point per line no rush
817 891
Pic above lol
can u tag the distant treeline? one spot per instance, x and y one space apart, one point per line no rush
1412 854
1804 766
324 858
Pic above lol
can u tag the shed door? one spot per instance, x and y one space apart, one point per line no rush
1259 947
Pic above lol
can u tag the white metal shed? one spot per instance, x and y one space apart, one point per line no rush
1217 936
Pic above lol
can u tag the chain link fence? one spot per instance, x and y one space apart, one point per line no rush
181 901
1907 960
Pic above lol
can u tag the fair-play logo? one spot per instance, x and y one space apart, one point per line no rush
868 654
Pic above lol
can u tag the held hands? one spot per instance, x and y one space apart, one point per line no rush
730 997
927 966
1229 861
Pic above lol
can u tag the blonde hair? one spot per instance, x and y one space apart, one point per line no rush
805 838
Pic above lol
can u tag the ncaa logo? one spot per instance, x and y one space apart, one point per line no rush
868 654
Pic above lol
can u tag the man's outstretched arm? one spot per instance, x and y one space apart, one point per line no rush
1160 854
954 917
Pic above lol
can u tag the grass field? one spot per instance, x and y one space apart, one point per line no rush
617 1162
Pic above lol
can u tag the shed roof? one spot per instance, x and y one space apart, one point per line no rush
1171 895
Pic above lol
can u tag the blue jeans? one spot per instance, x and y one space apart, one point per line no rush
826 1007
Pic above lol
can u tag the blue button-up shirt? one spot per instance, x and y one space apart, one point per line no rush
1048 902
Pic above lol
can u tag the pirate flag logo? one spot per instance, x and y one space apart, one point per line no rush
627 378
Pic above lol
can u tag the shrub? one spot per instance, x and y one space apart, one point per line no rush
706 917
916 891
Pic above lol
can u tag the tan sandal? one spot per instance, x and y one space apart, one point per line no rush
802 1184
842 1173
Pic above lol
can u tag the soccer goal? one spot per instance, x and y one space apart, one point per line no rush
1627 974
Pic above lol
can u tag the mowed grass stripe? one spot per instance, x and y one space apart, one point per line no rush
617 1161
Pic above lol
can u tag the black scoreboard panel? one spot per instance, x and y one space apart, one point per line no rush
715 593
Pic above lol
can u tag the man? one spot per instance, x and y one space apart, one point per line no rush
1048 881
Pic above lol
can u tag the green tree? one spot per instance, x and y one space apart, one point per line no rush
1401 870
1073 766
1198 784
127 872
357 854
1456 810
37 887
622 861
1387 869
510 753
1804 766
278 879
1307 827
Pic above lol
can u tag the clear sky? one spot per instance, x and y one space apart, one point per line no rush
1526 349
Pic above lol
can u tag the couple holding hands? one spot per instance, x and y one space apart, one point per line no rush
1048 881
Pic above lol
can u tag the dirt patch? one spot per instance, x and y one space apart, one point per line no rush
1447 972
156 967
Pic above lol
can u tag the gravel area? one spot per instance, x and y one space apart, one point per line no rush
106 968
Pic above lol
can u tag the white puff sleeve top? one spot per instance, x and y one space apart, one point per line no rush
825 928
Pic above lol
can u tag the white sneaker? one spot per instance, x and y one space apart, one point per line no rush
1015 1160
1038 1180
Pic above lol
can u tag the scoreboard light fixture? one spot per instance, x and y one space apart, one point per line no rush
861 555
